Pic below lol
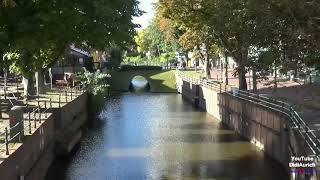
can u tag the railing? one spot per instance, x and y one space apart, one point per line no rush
35 117
295 120
188 78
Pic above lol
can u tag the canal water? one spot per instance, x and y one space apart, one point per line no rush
160 136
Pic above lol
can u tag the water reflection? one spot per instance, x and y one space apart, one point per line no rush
139 84
147 136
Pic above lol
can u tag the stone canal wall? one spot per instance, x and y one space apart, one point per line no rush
200 96
267 129
57 135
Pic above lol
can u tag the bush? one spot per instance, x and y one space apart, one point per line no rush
96 83
140 68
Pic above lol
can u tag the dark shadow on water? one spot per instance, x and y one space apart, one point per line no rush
198 126
245 168
61 165
205 138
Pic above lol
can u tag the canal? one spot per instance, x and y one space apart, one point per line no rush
160 136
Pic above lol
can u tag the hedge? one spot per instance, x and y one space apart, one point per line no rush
140 68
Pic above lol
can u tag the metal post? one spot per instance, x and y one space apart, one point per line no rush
50 103
39 110
6 141
71 93
34 119
17 85
59 100
5 92
66 96
45 108
29 121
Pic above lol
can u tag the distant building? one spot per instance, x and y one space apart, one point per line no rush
75 60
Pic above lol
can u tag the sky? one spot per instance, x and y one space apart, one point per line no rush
145 5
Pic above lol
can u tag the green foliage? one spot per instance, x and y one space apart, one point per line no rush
284 28
116 56
135 60
155 61
40 31
96 83
153 40
140 68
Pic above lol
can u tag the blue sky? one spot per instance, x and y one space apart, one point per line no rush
145 5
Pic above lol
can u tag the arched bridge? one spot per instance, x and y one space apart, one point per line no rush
159 81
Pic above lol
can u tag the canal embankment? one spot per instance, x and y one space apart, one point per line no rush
53 133
267 123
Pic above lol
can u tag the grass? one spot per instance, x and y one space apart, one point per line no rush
193 73
163 82
160 81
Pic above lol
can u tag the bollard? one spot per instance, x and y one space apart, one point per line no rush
66 96
16 122
29 122
71 94
50 103
6 141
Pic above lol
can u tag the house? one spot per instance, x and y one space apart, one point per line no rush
76 60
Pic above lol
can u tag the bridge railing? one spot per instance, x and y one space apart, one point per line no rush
188 78
296 122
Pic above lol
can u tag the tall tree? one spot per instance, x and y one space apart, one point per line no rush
39 31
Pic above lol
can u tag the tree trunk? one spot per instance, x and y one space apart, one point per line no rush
5 74
242 78
310 79
221 70
275 79
207 67
50 75
254 80
295 75
242 58
40 82
28 87
187 58
242 70
226 67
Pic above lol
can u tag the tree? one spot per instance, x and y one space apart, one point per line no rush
39 31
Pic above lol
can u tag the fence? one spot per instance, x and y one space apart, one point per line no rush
295 120
35 116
